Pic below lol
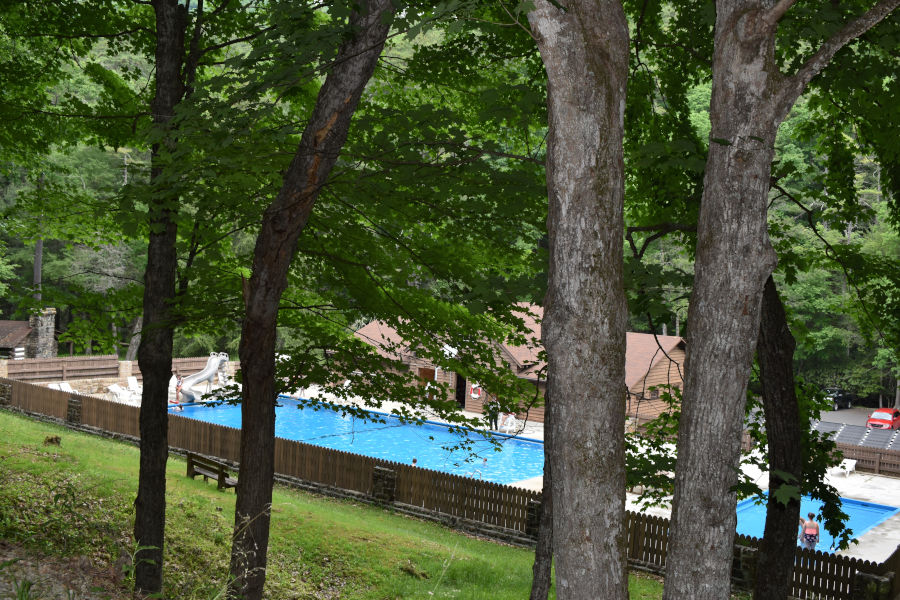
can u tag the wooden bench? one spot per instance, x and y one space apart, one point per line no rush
210 469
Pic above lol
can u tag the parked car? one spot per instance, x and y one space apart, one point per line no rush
839 398
884 418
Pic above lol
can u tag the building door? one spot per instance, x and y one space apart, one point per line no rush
461 386
426 376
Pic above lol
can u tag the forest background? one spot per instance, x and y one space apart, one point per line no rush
71 173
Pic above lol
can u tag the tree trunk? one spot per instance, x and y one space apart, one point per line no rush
155 350
543 553
734 258
584 47
775 352
283 221
135 341
750 98
38 267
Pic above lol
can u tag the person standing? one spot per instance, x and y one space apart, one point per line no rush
809 532
493 412
179 380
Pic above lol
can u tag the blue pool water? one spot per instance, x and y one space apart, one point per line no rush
863 517
519 459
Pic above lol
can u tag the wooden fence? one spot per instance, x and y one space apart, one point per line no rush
64 368
876 460
816 575
68 368
186 366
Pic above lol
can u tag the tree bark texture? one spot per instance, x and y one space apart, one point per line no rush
155 350
543 553
282 223
734 258
134 341
584 47
775 354
750 98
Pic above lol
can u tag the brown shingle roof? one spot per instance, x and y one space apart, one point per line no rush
642 350
13 333
380 334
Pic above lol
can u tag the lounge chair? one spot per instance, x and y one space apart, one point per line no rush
120 393
65 387
53 386
133 386
509 423
847 466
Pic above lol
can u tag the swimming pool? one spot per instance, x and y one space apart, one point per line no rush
863 517
519 458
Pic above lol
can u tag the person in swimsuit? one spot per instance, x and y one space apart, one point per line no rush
179 380
809 532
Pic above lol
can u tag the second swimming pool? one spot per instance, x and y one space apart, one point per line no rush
863 517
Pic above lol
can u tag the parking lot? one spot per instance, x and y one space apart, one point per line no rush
850 416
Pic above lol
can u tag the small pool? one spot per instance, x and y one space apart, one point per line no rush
519 459
863 517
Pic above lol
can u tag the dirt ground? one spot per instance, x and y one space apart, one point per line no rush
49 578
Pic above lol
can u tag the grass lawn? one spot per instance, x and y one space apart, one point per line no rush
75 500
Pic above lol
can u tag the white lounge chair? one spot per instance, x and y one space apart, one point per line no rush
847 466
120 393
509 423
53 386
64 386
133 386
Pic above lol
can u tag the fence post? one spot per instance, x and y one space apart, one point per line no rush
384 484
867 586
5 394
743 568
73 410
125 370
533 518
4 368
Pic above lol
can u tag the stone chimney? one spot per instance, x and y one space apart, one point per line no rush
41 343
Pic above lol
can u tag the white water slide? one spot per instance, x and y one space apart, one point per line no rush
215 365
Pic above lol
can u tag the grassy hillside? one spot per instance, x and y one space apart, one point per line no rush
74 500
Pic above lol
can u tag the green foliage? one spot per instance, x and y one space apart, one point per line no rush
650 453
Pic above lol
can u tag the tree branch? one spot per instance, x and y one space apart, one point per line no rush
246 38
660 230
831 253
774 15
797 83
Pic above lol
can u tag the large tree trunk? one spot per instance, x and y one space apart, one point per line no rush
734 258
543 553
775 353
282 224
584 47
750 98
155 351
